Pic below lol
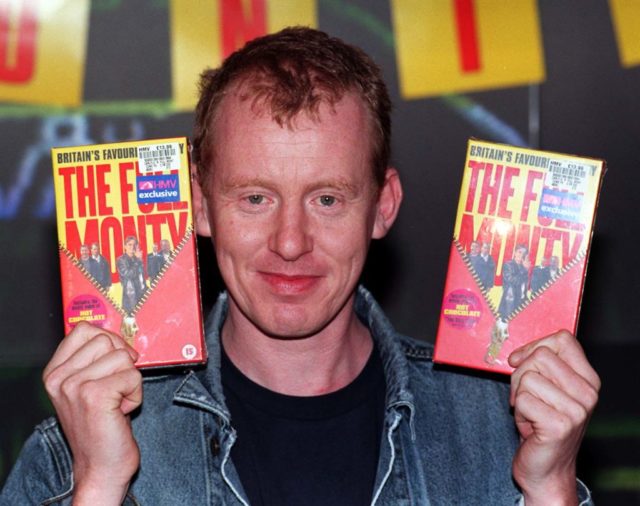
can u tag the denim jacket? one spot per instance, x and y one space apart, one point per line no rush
448 437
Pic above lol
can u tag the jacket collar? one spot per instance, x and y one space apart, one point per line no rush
394 360
203 388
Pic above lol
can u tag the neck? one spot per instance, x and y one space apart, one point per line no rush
313 365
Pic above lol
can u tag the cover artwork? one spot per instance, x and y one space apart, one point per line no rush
519 252
127 245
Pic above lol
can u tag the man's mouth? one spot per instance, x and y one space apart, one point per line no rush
290 284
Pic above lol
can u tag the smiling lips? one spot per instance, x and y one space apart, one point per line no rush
284 284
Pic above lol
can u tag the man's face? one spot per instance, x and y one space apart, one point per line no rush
484 250
155 247
95 251
84 252
164 244
291 213
553 262
130 247
519 255
475 249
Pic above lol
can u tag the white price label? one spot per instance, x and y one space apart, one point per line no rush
159 157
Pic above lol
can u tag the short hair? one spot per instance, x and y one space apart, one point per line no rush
294 70
131 238
522 247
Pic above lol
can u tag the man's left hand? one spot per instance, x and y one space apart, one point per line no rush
554 390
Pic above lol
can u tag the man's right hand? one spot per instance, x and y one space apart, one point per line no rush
94 385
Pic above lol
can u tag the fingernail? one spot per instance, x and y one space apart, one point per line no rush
515 357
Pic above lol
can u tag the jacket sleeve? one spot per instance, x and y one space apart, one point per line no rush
42 475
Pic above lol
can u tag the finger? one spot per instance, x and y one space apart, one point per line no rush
545 362
571 412
131 391
99 383
90 351
535 418
121 391
80 335
105 365
565 345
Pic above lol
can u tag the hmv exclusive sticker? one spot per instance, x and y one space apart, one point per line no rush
161 188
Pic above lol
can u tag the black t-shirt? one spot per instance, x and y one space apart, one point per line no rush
316 450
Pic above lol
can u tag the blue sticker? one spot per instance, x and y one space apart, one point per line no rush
561 205
162 188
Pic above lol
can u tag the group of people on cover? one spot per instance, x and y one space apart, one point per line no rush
129 266
95 264
515 274
483 263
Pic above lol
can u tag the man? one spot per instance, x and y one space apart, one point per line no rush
544 273
309 395
554 267
515 282
487 267
482 263
155 262
165 250
102 268
131 274
86 261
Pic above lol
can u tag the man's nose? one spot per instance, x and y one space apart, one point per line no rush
291 237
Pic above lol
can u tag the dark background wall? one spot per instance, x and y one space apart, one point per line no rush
588 104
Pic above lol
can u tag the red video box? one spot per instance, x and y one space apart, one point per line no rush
128 248
519 252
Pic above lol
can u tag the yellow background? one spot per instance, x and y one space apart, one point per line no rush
427 53
426 45
61 41
196 34
626 22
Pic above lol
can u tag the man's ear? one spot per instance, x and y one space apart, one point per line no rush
388 203
200 205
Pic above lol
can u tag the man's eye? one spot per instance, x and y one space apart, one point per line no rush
255 199
327 200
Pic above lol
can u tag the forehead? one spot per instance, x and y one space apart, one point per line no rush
244 127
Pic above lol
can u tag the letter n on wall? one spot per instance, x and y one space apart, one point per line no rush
203 33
